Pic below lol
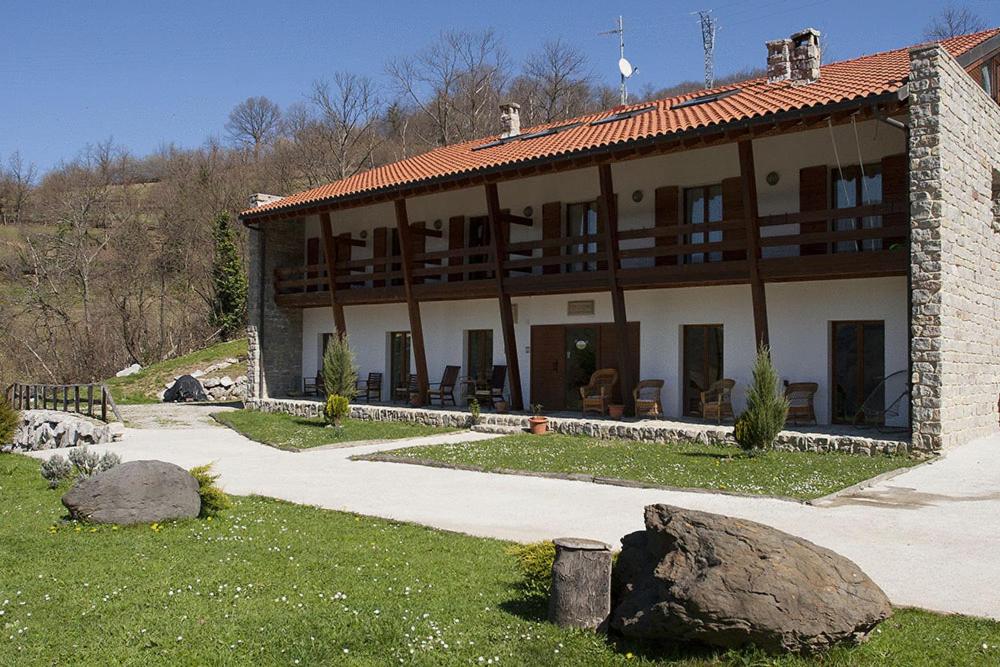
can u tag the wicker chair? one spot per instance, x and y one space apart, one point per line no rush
800 397
717 401
488 396
647 398
445 389
597 393
370 389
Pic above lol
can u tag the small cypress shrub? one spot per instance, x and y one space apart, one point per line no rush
213 499
229 281
767 407
337 410
340 373
9 421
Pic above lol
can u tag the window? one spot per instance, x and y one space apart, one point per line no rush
479 237
858 369
852 187
703 205
581 220
479 355
986 76
702 363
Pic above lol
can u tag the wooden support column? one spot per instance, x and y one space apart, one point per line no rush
608 206
498 251
416 328
330 251
748 176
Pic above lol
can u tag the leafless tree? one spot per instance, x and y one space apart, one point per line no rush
556 83
349 114
16 181
254 123
953 21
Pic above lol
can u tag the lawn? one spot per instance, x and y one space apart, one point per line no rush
288 432
270 583
801 475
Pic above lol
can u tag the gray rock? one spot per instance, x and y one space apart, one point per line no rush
131 370
135 492
226 381
196 374
210 383
711 579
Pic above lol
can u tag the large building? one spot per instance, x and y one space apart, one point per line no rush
846 215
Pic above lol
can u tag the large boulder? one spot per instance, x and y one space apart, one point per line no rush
699 577
135 492
185 388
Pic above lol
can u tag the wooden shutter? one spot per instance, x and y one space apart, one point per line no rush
665 214
548 366
814 195
552 228
419 245
380 245
456 241
895 190
732 211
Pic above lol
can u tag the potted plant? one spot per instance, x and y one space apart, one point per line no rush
538 424
616 410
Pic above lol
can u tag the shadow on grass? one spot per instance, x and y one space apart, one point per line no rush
710 455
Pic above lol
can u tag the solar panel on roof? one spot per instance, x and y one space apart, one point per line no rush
622 115
705 99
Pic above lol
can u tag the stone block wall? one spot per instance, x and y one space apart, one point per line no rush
49 429
274 334
955 252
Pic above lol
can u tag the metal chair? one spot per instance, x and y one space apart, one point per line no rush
717 401
445 389
800 396
647 398
597 393
370 389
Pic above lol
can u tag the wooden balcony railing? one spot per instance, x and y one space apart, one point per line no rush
650 257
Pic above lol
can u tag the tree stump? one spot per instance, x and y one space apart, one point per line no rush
581 584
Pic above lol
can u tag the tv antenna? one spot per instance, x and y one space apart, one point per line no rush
709 25
625 68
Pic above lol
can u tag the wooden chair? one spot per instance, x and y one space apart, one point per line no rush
403 392
312 386
647 398
370 389
717 401
445 389
800 396
597 393
488 396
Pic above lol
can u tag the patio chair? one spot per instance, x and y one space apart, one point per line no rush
800 397
445 389
597 393
403 391
370 389
312 386
717 401
647 398
488 396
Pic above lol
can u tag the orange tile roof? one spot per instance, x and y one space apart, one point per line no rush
844 81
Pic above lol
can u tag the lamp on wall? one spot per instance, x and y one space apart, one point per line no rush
363 234
437 224
772 178
528 211
637 196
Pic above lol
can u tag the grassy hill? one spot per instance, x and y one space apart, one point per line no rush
144 386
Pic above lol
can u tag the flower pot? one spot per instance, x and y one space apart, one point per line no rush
538 425
616 411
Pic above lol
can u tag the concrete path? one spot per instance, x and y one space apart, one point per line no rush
929 537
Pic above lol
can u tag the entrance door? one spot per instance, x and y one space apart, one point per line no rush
399 360
702 363
479 356
582 346
858 367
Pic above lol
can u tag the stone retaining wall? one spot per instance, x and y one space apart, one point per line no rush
49 429
649 431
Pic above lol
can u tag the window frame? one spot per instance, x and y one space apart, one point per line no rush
710 236
859 172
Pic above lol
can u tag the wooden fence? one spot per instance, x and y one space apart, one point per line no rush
80 398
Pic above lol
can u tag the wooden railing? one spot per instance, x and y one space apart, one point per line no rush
79 398
668 250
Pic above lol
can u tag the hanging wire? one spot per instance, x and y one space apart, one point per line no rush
840 167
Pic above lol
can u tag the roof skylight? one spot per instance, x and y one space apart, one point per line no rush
524 137
622 115
705 99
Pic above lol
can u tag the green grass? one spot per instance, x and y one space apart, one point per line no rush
793 474
270 583
144 386
288 432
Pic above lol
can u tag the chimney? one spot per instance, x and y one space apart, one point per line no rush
510 119
259 199
779 66
805 56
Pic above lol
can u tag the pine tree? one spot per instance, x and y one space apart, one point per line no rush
340 374
767 407
229 281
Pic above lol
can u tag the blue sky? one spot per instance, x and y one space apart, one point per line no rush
147 74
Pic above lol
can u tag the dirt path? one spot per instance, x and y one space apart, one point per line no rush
173 415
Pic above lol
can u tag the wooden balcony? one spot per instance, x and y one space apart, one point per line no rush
652 257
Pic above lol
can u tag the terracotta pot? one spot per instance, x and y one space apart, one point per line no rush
616 411
538 425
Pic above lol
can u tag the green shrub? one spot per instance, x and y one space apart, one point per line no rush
213 499
337 409
767 407
474 412
229 280
9 420
56 470
535 562
340 373
82 463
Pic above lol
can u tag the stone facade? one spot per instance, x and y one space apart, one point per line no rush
49 429
955 252
649 431
274 334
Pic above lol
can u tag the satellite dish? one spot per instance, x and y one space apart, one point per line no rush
625 67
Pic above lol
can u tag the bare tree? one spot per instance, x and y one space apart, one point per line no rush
953 21
254 123
16 181
556 83
349 114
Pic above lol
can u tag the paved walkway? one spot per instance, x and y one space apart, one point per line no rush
929 537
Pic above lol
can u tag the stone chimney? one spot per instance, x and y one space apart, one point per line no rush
805 56
510 119
779 66
260 198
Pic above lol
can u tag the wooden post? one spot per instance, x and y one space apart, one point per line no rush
498 251
104 404
65 398
329 249
416 328
90 400
581 584
757 293
76 398
609 206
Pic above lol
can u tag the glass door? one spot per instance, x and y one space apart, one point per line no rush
399 363
479 355
702 363
858 365
581 361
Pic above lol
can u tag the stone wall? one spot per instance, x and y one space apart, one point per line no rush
647 431
49 429
274 334
955 252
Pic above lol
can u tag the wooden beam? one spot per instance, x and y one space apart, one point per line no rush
330 250
758 295
412 305
498 252
512 219
609 207
424 231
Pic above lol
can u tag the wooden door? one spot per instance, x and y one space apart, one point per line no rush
548 366
703 363
858 367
